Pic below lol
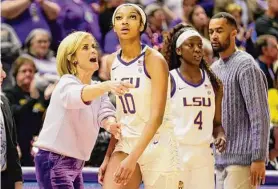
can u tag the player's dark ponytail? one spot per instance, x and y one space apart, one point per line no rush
215 81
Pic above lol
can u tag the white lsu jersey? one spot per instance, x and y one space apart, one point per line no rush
133 109
193 109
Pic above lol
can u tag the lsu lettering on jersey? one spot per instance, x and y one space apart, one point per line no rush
193 109
134 108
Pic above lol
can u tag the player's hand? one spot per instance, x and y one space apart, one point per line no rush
18 185
257 173
115 129
125 171
220 142
102 170
119 88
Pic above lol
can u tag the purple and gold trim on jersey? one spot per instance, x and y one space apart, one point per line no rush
173 85
191 84
131 62
145 70
139 62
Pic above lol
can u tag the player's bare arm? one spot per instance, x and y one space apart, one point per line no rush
159 72
218 131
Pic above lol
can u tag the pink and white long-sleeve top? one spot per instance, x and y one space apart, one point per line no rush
71 127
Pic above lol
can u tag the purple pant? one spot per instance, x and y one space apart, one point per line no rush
57 171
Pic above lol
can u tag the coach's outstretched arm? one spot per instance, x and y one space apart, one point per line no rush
72 91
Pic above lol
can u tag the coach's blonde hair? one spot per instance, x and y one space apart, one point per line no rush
66 52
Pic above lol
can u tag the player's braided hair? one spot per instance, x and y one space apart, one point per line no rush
173 59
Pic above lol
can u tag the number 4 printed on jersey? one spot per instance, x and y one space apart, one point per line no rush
198 120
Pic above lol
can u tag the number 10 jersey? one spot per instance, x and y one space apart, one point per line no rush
134 108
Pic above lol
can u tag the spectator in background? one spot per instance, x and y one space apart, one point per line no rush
77 15
175 6
262 4
208 5
249 7
27 106
273 103
37 48
243 38
10 50
187 6
273 148
268 23
208 52
157 24
199 20
235 10
105 16
267 50
273 142
95 4
11 173
26 15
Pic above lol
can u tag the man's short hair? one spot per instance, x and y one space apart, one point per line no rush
261 42
230 18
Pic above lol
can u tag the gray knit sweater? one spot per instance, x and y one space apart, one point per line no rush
245 113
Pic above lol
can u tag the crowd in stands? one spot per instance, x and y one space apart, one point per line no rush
31 31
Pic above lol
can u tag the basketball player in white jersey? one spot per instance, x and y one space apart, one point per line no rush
196 102
147 150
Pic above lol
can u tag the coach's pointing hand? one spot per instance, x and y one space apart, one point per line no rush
120 88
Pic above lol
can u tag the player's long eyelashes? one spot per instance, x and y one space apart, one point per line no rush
118 17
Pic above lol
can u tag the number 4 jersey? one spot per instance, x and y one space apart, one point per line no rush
134 108
193 109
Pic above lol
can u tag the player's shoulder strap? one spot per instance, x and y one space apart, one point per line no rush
173 83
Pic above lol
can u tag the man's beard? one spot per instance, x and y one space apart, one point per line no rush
222 47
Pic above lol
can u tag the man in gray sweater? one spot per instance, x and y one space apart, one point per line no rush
245 113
